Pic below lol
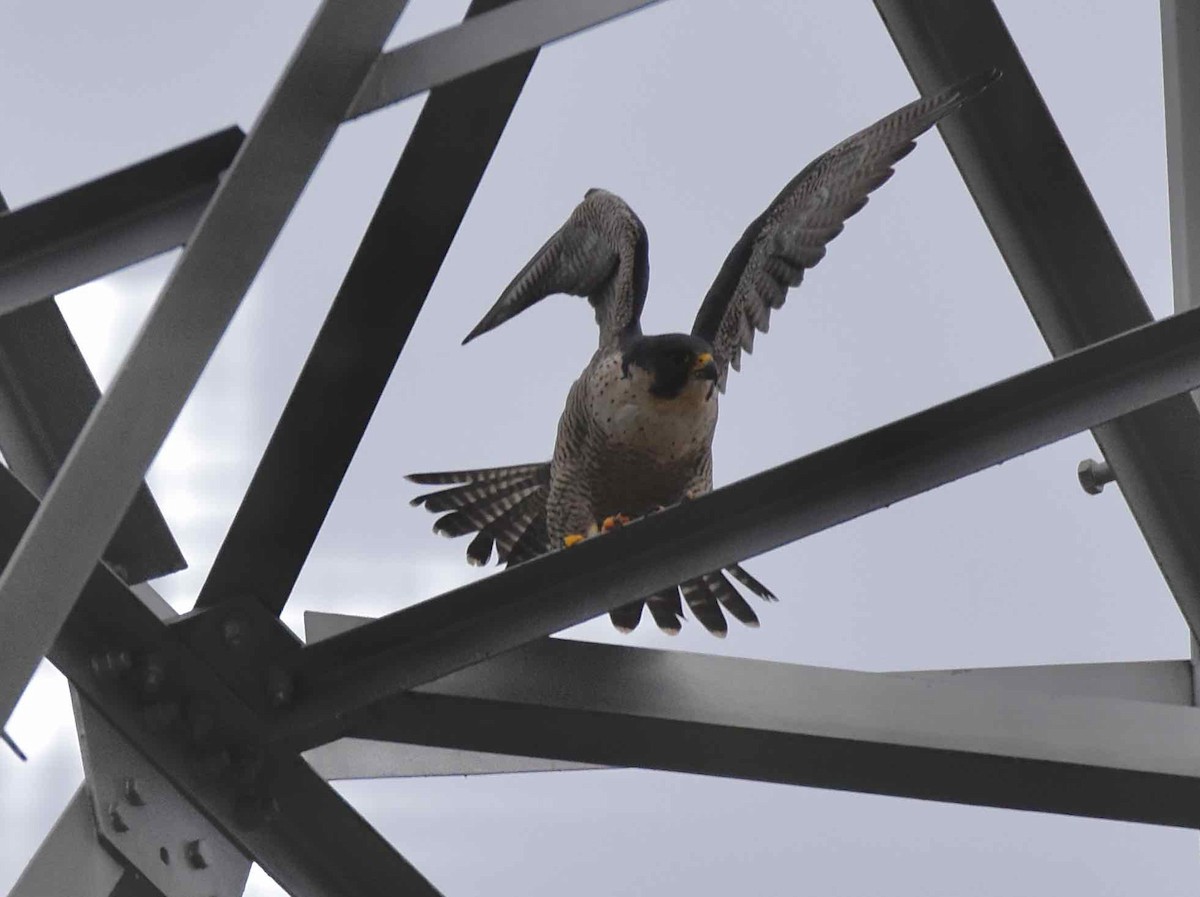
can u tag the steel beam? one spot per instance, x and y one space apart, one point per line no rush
46 394
360 758
1181 94
1062 256
1152 681
1161 682
362 337
945 740
71 860
148 822
172 706
349 672
100 476
479 42
100 227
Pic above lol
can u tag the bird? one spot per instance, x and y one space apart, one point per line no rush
636 433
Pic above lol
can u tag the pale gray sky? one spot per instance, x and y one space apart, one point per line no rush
696 113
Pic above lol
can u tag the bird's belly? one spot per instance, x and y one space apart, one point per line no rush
665 435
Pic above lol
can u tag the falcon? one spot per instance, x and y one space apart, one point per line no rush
636 433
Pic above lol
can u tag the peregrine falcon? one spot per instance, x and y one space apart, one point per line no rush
636 433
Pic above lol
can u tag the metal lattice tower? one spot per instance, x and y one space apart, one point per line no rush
201 718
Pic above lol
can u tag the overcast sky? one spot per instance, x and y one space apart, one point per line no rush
697 113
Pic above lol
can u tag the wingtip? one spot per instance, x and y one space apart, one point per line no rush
975 84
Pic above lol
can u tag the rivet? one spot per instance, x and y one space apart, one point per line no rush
111 663
193 851
1093 475
132 795
234 632
154 676
119 825
279 687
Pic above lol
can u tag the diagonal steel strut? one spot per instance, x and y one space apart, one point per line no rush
101 474
1062 257
363 335
350 672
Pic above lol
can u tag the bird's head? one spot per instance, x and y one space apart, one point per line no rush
678 364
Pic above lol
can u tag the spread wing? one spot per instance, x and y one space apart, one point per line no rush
601 253
790 236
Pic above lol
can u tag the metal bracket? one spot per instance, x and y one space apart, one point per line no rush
148 822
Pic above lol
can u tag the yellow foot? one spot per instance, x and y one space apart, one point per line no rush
573 539
614 521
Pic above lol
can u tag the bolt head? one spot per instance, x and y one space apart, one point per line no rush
111 663
133 794
195 852
118 823
235 632
1093 475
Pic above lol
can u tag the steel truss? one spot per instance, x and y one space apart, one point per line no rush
192 726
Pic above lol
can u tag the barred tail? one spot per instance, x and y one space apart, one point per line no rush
705 596
505 506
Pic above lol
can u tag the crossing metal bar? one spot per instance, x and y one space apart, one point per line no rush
347 673
46 393
70 239
100 476
1062 256
71 859
362 336
477 43
203 738
941 739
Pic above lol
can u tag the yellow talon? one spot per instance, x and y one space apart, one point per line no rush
572 539
614 521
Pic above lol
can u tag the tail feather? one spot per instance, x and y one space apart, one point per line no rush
704 606
508 529
719 586
667 610
463 496
739 573
627 616
483 475
479 552
505 506
533 542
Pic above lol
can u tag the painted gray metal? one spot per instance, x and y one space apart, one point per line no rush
1181 94
148 822
332 403
1163 682
1062 256
480 41
363 758
71 860
100 227
1152 681
942 739
203 738
360 758
100 476
349 672
46 394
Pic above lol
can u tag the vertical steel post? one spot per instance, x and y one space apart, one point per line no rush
1181 99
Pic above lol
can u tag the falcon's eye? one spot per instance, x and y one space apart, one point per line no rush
683 358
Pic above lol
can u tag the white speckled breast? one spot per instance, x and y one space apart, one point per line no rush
630 418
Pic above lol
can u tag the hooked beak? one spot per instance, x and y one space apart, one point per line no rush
704 368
